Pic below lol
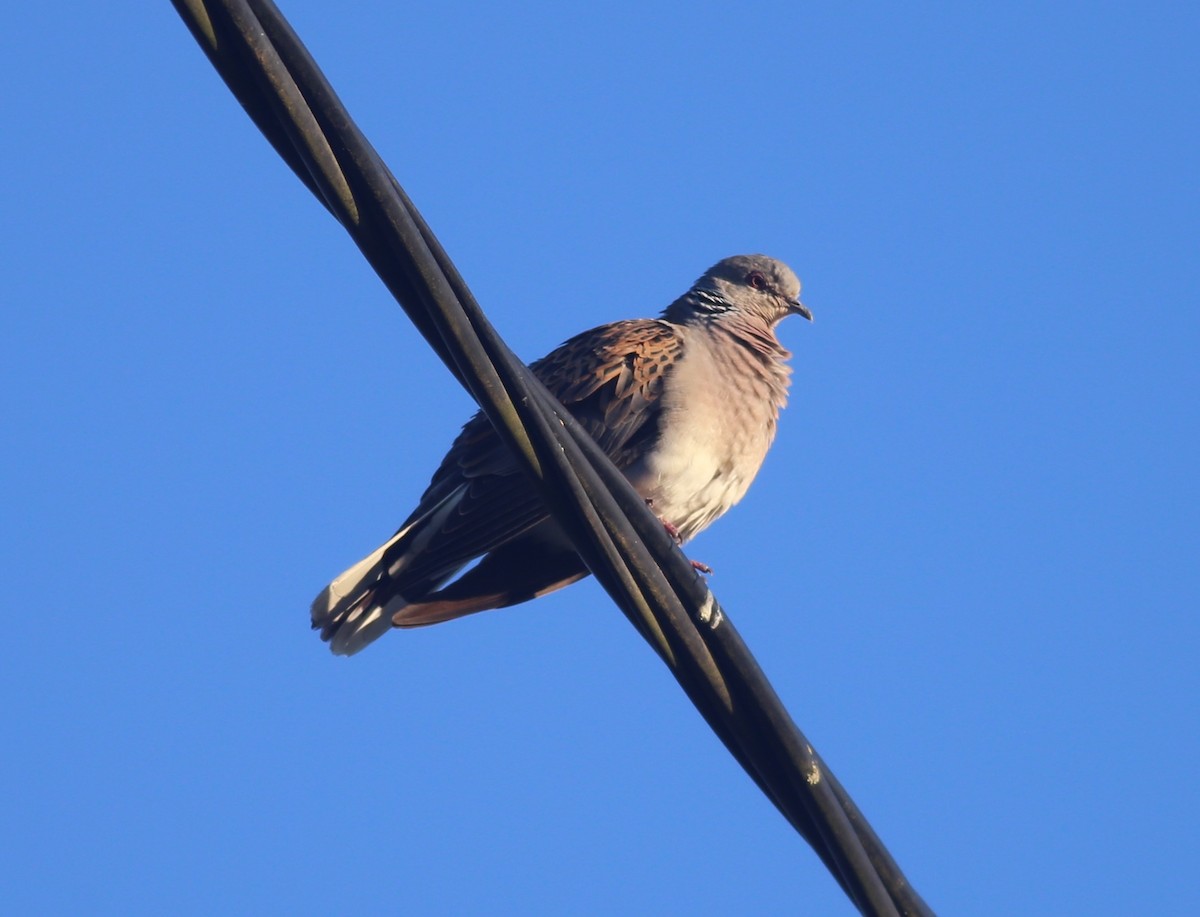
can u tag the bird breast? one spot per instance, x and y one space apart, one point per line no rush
719 409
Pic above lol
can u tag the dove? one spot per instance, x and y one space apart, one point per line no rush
685 405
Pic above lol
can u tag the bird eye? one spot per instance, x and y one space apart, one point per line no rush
756 280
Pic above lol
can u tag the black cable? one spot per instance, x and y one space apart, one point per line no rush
272 75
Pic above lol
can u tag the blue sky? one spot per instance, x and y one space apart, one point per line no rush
969 565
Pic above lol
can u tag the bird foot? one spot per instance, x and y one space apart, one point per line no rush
668 527
673 530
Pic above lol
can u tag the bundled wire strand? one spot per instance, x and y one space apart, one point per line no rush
271 74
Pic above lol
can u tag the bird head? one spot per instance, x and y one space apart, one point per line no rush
746 285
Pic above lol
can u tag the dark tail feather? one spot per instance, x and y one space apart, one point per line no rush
519 571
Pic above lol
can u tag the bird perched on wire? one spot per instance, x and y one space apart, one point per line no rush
685 405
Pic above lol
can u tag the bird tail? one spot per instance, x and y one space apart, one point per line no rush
356 608
349 612
397 585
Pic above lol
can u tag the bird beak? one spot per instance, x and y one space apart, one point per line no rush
794 305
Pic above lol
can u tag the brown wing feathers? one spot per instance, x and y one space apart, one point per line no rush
480 503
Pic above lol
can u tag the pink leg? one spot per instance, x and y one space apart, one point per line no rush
673 531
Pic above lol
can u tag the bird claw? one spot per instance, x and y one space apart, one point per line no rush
673 530
668 527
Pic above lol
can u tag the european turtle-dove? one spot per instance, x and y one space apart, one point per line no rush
685 405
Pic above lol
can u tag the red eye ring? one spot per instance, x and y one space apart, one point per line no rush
756 280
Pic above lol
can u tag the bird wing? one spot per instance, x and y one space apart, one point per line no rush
609 378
